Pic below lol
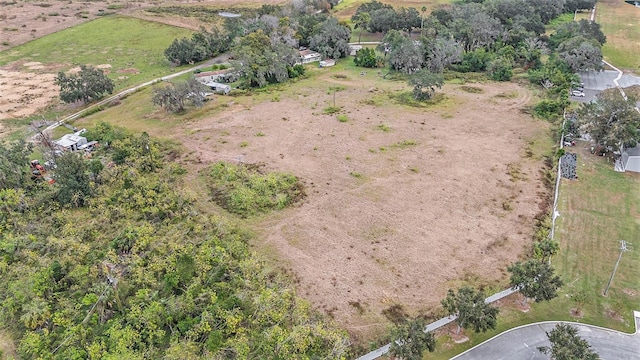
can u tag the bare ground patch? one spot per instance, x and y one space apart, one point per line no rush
23 93
395 214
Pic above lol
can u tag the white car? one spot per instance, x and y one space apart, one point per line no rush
577 93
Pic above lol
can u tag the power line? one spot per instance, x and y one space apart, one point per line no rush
623 248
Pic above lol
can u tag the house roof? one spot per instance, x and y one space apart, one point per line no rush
308 53
212 73
634 151
70 139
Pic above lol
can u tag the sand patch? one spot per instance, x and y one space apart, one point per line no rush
25 93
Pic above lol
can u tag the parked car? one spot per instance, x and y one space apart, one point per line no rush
577 93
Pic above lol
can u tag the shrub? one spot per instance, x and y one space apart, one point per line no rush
475 61
500 69
330 110
244 190
548 109
366 57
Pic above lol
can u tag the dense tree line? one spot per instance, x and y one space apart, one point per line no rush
202 45
137 270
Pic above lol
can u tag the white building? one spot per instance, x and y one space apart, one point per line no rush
353 49
211 76
629 160
327 63
71 142
309 56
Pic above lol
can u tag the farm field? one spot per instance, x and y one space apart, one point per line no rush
403 202
129 50
620 22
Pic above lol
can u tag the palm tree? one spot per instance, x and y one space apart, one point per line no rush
361 21
36 313
423 9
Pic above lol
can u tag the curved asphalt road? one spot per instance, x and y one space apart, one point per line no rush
522 343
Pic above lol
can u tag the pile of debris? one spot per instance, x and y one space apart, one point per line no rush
568 164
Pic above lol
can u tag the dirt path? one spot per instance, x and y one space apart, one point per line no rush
7 347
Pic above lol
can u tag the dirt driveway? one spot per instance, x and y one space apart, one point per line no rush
403 202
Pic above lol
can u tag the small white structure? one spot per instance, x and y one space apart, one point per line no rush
353 49
71 142
211 76
327 63
629 160
309 56
219 88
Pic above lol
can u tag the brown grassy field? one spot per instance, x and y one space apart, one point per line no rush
403 203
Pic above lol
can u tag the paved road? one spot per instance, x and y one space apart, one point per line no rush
596 81
521 343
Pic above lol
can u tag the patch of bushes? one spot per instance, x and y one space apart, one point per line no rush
548 109
406 98
246 191
471 89
330 110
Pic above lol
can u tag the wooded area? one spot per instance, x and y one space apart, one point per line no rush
136 269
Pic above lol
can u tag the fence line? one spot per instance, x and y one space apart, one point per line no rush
556 193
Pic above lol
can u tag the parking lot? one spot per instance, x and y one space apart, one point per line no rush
596 81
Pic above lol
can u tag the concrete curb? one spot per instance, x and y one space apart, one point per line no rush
636 315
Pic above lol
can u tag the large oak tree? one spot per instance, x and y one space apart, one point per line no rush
88 85
611 120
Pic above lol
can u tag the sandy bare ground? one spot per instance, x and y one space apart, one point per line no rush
23 20
24 92
382 224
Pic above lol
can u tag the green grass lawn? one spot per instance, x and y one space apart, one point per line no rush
597 211
134 48
620 22
562 19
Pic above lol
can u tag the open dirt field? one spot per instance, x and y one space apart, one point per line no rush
402 204
23 21
25 90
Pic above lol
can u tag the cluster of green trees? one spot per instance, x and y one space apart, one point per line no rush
202 45
121 263
375 16
174 97
612 121
88 85
265 47
491 36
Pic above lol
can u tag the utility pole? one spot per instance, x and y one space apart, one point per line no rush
623 248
